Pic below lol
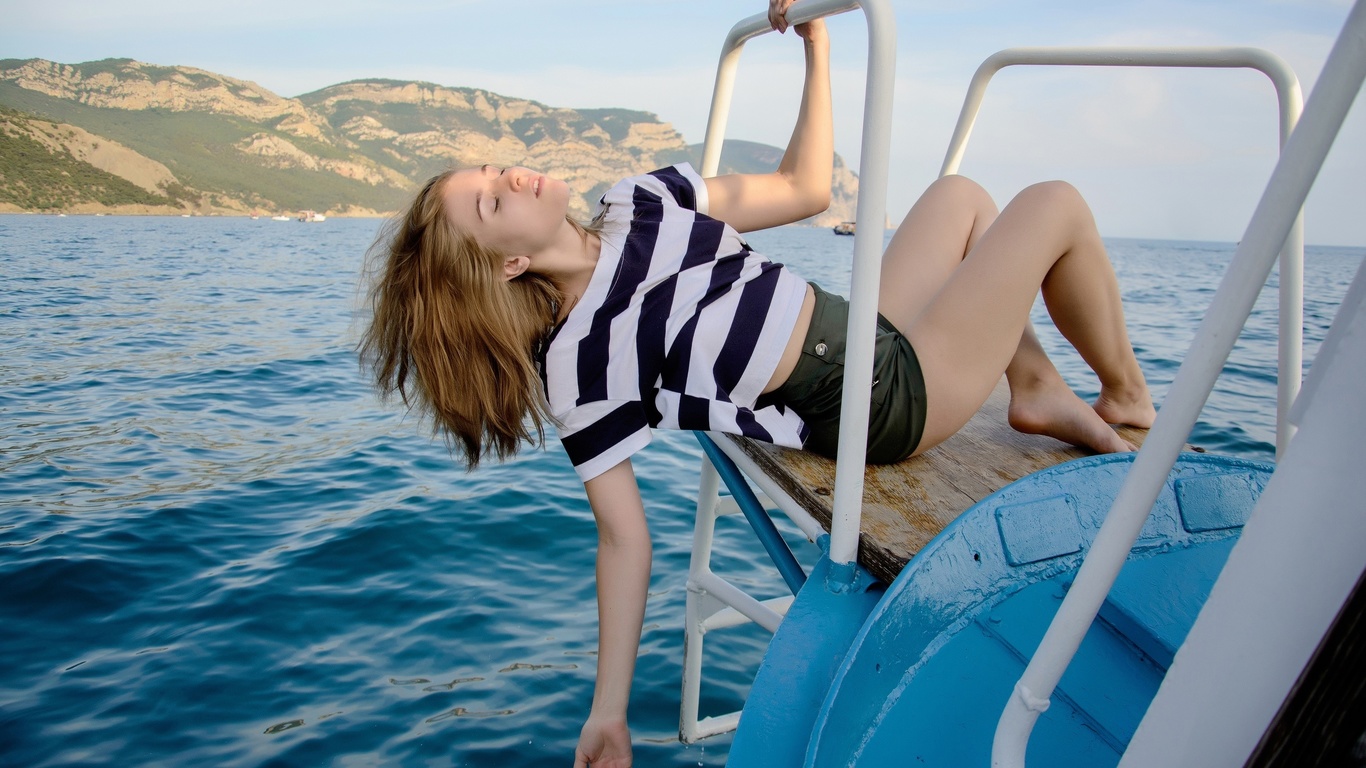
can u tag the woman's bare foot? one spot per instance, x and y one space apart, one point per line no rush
1134 407
1051 408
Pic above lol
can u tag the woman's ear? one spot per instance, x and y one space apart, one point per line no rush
514 266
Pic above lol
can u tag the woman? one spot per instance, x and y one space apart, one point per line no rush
494 312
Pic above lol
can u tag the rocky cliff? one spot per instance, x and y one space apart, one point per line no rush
196 140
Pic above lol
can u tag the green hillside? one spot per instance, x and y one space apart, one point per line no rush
36 177
193 145
357 147
736 157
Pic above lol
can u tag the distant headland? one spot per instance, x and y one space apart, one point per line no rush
122 136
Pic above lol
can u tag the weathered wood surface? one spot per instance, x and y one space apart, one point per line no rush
907 504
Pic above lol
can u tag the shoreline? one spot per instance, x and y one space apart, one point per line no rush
94 209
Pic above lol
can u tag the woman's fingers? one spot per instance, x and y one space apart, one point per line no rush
777 18
777 14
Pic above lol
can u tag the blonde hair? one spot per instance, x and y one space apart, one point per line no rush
454 338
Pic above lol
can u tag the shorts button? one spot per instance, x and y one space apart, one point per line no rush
821 349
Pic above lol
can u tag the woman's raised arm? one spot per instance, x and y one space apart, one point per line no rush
801 185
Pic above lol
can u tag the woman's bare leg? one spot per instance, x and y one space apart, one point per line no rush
973 327
931 242
1042 403
928 247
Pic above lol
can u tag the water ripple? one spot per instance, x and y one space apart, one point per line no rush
219 549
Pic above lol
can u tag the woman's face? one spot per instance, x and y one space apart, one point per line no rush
512 210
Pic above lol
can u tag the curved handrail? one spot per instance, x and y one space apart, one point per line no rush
1291 103
870 217
1271 224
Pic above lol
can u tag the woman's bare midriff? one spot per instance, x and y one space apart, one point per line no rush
793 352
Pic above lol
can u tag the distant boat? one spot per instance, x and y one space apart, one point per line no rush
281 218
844 228
312 216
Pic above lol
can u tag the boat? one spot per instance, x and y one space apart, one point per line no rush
845 228
311 216
281 217
1166 607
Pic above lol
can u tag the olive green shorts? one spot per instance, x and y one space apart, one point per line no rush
896 410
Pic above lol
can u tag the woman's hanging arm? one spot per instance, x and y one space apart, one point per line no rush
623 575
801 185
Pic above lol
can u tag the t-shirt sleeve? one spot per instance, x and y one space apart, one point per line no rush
679 184
599 435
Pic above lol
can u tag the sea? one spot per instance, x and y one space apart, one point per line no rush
218 547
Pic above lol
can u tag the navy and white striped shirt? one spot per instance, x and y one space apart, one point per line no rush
681 327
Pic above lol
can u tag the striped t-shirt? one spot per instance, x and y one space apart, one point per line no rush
681 327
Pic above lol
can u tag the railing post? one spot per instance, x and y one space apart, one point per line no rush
693 612
1270 226
871 218
1290 101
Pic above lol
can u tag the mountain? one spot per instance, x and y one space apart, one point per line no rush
46 165
127 136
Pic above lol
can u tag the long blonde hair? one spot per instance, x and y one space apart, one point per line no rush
453 337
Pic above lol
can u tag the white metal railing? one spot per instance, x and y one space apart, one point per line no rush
712 602
1272 222
1291 103
868 237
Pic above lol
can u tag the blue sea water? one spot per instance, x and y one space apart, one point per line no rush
218 548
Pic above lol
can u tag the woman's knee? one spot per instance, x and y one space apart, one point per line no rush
962 190
1058 197
951 196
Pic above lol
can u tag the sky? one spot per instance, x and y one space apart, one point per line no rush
1175 154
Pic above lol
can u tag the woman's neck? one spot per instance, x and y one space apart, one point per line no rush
573 270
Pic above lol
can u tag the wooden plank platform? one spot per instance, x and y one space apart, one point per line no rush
907 504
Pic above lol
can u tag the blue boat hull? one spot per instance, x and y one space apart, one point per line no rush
932 665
